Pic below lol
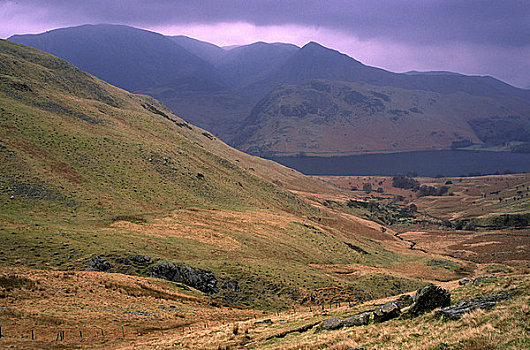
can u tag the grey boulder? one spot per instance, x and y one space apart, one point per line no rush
197 278
357 320
330 324
429 298
386 312
485 302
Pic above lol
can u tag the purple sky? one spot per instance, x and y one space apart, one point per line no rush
483 37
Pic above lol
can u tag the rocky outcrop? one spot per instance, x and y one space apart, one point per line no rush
383 313
197 278
404 301
386 312
97 263
485 302
142 260
429 298
331 323
475 281
483 278
336 323
357 320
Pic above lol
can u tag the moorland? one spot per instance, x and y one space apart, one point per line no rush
125 226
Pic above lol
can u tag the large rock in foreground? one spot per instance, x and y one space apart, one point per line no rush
386 312
336 323
197 278
429 298
357 320
331 323
485 302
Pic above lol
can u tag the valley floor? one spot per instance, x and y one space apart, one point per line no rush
81 309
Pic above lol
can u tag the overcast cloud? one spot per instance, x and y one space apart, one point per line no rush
488 37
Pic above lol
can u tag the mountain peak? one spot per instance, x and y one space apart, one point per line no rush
314 48
314 45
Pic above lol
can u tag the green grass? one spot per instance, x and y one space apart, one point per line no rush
77 154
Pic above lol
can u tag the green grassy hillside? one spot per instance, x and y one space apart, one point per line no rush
89 169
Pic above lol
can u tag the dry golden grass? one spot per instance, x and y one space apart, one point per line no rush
98 305
510 247
472 196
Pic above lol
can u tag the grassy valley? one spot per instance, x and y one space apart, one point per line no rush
90 170
104 194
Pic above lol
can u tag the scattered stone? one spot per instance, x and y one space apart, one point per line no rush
404 301
429 298
386 312
233 286
97 263
197 278
485 302
464 281
266 321
330 324
483 278
35 192
357 320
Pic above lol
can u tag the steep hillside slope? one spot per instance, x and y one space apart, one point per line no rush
101 139
144 62
331 118
90 170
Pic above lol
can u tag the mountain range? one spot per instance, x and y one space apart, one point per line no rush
280 99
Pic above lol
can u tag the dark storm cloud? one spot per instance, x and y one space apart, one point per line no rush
504 23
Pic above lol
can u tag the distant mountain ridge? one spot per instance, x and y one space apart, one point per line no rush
327 118
209 52
223 89
129 58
